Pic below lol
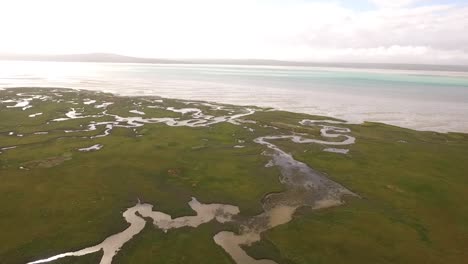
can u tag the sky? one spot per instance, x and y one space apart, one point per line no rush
392 31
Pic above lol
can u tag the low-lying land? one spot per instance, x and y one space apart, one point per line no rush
72 162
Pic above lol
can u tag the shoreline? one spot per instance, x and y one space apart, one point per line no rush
268 108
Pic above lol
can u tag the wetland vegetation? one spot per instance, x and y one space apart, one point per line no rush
72 162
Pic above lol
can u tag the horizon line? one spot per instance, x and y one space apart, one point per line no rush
119 58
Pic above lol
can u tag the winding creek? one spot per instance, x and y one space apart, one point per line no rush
304 186
111 245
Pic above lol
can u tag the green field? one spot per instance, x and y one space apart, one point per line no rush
413 185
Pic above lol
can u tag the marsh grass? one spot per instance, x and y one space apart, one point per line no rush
413 187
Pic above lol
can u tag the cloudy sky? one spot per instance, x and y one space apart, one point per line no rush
410 31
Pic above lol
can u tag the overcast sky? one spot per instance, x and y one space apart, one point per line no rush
411 31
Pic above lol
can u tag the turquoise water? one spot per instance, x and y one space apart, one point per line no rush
423 99
380 83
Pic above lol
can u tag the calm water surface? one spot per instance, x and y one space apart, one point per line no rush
424 100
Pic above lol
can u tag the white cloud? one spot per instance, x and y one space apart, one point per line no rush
299 30
394 3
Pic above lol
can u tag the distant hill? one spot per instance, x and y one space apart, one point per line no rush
90 57
115 58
